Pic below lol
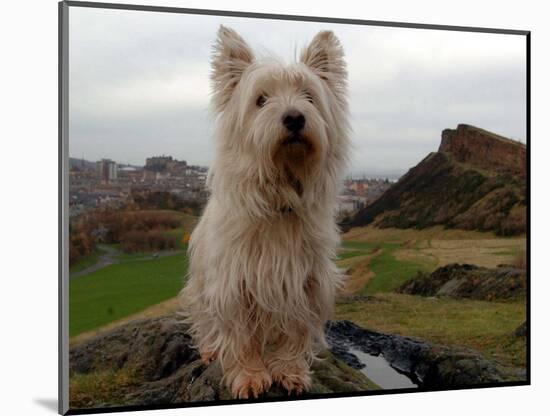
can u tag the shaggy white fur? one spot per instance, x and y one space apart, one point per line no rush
262 279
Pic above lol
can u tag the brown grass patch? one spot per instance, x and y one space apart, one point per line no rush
416 256
485 252
358 273
85 390
438 246
373 234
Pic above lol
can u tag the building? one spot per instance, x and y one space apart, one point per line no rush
166 164
106 170
347 204
128 176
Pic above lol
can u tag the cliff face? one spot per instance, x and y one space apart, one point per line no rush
485 150
476 181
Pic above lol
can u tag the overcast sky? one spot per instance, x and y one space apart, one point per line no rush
139 85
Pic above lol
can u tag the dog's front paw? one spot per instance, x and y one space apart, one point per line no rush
248 384
294 379
293 383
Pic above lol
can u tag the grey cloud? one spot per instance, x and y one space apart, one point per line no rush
139 84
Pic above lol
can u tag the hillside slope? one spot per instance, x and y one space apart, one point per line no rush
476 181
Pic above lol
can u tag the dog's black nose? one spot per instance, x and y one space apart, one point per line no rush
294 121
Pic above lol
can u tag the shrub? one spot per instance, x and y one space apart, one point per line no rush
119 223
80 244
136 230
138 241
166 200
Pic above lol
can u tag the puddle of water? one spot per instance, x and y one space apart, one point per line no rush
381 372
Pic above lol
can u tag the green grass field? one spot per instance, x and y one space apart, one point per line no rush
348 254
136 282
360 245
119 290
389 272
133 283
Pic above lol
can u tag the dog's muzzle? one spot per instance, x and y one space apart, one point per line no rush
294 139
294 121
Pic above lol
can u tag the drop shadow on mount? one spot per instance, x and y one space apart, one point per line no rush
48 404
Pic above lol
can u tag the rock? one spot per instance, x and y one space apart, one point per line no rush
485 150
151 362
468 281
427 365
521 331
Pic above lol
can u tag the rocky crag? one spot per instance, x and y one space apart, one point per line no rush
469 281
427 365
485 150
475 181
151 362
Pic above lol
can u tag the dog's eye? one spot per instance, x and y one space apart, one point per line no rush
308 96
260 102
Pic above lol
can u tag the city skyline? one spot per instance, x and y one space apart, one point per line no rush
366 175
139 85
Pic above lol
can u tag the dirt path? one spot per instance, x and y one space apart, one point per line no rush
358 273
106 259
109 257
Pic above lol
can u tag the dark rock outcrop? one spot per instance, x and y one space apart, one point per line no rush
455 188
468 281
429 366
521 331
157 365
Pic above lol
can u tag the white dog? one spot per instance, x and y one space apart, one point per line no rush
262 278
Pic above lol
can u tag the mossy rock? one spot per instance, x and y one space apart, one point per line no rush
152 362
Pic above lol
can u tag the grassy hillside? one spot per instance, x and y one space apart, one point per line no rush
441 191
379 260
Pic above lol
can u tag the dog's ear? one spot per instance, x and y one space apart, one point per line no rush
231 56
325 56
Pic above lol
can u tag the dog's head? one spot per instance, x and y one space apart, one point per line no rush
285 124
